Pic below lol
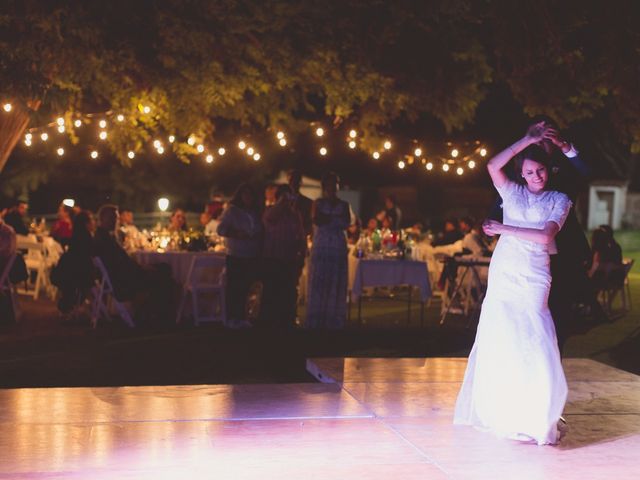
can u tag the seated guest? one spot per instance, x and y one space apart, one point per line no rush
606 266
353 232
284 249
130 236
215 207
62 229
372 226
473 241
16 217
392 212
241 226
74 275
178 221
449 235
270 195
209 224
150 289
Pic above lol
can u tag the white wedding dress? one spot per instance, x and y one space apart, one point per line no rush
514 384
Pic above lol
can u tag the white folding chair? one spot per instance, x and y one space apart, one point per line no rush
104 298
36 261
6 287
206 277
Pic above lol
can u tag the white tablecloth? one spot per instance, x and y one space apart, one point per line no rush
388 273
179 261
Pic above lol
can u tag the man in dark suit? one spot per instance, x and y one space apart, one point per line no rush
301 203
570 284
16 216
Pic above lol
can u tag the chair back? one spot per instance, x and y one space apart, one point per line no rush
206 270
103 279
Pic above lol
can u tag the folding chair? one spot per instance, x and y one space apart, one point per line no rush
618 282
36 261
6 287
206 276
104 298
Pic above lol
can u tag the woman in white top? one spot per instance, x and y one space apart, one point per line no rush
514 384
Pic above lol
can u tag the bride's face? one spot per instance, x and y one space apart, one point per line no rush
535 174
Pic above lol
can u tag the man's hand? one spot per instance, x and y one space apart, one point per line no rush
492 227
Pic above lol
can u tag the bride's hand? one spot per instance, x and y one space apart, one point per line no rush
541 131
492 227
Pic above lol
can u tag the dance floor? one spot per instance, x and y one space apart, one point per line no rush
368 419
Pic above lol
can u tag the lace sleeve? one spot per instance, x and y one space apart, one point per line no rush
560 209
507 189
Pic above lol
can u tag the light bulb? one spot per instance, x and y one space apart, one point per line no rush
60 151
280 135
283 142
103 124
353 134
69 202
242 145
7 107
157 143
28 136
163 204
221 151
60 121
172 138
460 170
78 123
94 154
160 149
191 141
44 137
146 109
454 152
120 118
103 135
250 151
323 151
209 158
200 148
352 144
27 142
401 165
61 129
483 152
387 145
319 131
376 155
131 154
418 152
472 164
429 166
256 157
445 167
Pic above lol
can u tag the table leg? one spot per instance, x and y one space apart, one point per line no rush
454 295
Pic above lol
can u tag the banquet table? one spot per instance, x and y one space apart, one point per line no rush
370 272
178 260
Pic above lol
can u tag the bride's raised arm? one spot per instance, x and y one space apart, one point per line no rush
536 133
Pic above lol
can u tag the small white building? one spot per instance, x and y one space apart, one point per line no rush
607 203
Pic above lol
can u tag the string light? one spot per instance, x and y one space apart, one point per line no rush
418 152
160 149
61 129
242 145
209 158
283 142
103 124
191 141
146 109
472 164
103 135
200 148
60 121
352 144
401 165
28 137
172 138
429 166
120 117
319 131
323 151
445 167
376 155
280 135
454 152
131 154
483 152
94 154
387 145
27 142
250 151
353 134
157 144
78 123
256 157
60 151
7 107
44 136
221 151
460 170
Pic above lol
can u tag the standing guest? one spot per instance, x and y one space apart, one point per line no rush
284 247
301 203
270 195
74 274
514 384
178 221
151 289
16 217
215 205
63 227
392 212
241 225
327 304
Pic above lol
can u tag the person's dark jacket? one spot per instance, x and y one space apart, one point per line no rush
15 220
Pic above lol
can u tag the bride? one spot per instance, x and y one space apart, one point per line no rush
514 384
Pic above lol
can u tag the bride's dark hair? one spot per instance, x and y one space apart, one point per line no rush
532 152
